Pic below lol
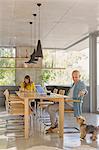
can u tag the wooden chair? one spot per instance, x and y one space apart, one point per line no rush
14 105
55 91
44 104
71 111
62 92
43 116
15 109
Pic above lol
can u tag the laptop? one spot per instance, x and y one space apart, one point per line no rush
40 89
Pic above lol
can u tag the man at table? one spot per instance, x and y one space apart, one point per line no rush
28 85
77 92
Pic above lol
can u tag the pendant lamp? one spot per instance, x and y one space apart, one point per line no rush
39 52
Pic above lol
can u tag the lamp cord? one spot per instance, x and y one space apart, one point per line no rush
39 23
35 31
31 34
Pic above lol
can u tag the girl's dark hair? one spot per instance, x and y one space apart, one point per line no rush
27 77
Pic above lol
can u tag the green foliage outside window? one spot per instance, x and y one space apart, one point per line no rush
47 75
63 64
7 66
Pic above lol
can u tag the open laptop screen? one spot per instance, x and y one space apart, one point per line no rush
40 89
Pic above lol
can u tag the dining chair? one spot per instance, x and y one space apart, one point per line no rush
42 115
15 109
69 109
14 105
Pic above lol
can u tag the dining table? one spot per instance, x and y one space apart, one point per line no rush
28 96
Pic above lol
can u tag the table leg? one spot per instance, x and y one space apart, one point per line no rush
26 119
61 117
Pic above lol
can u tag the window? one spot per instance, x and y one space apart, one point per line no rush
59 64
54 65
7 66
78 60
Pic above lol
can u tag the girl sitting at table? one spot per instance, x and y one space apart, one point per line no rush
28 85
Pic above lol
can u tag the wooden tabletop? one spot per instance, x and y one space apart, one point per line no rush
31 95
52 96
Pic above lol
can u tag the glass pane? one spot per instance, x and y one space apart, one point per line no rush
49 58
54 59
78 60
7 76
7 62
54 77
7 66
63 62
7 52
60 61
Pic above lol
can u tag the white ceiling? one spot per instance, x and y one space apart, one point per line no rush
62 21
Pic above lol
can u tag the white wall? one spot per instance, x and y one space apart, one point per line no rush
22 69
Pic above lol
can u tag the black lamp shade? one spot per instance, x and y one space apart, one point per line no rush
30 62
32 58
39 52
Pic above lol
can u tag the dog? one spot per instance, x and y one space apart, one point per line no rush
85 129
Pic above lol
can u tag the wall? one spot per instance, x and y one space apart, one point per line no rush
22 69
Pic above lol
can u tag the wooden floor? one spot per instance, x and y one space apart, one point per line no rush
41 141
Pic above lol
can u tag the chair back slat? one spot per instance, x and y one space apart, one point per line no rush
6 94
62 92
55 90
